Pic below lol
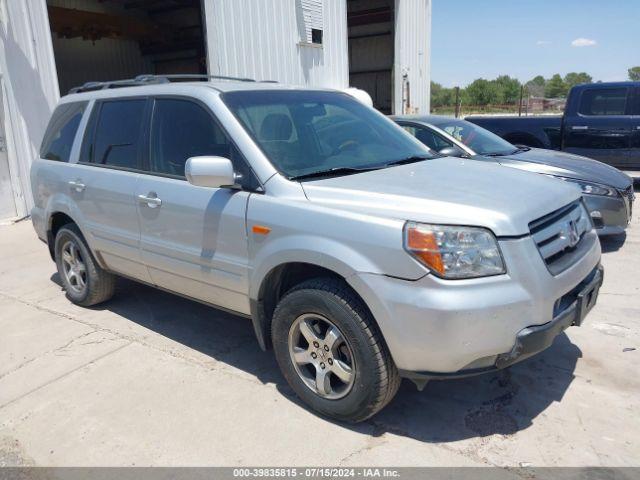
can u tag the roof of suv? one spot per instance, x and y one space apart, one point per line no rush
222 86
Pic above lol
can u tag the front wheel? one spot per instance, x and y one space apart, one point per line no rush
331 352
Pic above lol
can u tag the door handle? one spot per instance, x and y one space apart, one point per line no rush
152 202
77 185
580 127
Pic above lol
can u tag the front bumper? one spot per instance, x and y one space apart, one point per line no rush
536 338
613 213
447 328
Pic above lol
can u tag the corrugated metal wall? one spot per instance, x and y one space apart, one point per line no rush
266 40
412 51
29 88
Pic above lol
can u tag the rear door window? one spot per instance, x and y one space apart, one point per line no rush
603 101
61 132
118 131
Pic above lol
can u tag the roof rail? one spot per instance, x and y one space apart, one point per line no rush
151 79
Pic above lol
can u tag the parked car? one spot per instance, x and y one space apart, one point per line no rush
359 257
600 121
607 191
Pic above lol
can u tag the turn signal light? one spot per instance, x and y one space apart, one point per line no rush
261 230
423 244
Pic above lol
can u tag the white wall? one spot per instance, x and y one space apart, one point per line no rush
412 55
30 88
262 40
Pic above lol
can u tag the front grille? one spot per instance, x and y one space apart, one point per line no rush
560 235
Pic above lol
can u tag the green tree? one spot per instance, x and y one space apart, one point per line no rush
573 78
441 96
508 89
535 86
537 80
482 92
634 74
555 87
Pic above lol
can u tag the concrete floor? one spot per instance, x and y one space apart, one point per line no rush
153 379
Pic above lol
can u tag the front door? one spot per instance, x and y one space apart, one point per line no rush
601 129
194 239
7 202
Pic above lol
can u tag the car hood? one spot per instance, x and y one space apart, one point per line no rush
552 162
450 191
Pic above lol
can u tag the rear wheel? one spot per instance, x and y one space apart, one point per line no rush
331 352
84 281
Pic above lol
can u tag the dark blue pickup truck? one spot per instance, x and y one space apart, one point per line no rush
601 121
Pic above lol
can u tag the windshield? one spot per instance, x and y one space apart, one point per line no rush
304 132
481 141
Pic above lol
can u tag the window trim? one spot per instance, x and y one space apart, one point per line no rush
627 103
196 101
95 117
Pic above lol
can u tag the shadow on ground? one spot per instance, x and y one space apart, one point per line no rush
446 411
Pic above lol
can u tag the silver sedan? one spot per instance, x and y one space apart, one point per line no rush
607 191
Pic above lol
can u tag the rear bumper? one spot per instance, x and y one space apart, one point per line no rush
536 338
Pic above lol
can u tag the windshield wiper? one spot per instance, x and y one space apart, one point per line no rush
351 170
411 159
497 154
522 148
334 171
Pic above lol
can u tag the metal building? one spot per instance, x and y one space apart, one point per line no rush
49 46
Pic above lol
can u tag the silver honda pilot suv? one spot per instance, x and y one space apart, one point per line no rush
359 255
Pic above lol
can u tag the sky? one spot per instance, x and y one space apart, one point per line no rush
486 38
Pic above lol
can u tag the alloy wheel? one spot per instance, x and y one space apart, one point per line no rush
75 270
321 356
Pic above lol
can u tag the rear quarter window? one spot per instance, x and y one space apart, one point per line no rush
61 131
603 101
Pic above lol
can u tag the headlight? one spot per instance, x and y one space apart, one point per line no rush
454 252
592 188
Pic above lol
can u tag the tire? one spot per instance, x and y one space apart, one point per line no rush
374 379
84 281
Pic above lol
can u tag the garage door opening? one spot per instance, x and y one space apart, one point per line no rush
102 40
371 49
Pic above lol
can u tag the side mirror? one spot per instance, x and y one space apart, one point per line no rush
213 172
452 151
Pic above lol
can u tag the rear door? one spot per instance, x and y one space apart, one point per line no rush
194 239
103 183
601 128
